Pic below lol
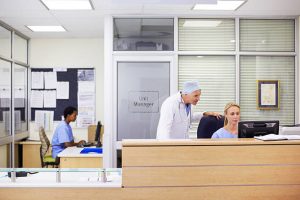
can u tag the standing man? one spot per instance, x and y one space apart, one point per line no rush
63 135
175 113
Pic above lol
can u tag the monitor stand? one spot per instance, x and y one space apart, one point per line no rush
99 144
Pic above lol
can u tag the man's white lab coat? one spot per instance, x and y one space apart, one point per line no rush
174 123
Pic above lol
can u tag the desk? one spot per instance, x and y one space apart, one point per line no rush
31 154
71 158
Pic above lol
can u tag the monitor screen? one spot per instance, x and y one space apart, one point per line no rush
249 129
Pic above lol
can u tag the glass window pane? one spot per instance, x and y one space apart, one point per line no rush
216 76
5 98
267 35
20 49
255 68
206 35
5 42
20 97
141 34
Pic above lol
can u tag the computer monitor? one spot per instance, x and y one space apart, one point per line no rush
249 129
98 135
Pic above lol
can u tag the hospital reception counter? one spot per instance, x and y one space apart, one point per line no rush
212 169
227 169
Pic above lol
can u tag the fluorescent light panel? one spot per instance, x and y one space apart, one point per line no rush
221 5
47 28
68 4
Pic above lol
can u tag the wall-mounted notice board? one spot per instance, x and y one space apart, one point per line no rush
74 78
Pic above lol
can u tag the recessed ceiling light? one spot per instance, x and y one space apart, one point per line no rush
221 5
201 23
47 28
68 4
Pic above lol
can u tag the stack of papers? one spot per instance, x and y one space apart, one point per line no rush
271 137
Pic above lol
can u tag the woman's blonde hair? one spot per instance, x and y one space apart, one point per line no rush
229 105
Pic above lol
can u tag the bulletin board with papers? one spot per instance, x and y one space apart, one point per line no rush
54 89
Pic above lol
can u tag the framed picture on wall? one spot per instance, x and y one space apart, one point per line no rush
267 94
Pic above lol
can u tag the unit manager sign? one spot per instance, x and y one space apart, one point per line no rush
143 101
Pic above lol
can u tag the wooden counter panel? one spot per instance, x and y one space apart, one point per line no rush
210 155
286 192
210 175
289 192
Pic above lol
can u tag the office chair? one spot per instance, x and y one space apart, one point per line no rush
208 125
46 160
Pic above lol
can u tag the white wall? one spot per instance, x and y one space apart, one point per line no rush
72 53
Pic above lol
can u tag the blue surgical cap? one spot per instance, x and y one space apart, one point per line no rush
190 86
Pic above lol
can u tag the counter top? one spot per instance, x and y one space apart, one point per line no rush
204 142
30 142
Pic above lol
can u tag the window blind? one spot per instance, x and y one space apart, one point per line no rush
216 77
253 68
206 35
267 35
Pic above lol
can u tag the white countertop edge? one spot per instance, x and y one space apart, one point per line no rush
59 185
94 155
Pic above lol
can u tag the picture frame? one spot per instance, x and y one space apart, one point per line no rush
268 94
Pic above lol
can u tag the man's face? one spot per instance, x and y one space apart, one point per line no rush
73 116
194 97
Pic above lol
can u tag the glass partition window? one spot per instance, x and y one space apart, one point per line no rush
143 34
20 97
206 35
5 98
20 49
217 72
13 94
267 35
281 69
217 85
5 42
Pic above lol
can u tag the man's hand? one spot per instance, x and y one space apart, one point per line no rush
82 142
215 114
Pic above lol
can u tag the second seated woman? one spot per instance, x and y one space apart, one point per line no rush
232 118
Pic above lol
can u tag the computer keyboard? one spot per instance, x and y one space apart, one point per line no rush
86 144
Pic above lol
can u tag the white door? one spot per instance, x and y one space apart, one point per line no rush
141 89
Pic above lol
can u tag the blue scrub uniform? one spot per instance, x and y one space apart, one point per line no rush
63 133
223 133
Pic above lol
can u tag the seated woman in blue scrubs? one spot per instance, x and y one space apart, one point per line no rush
232 118
63 135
